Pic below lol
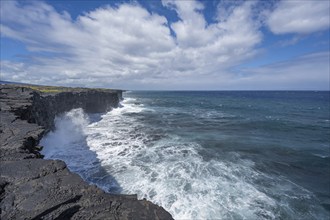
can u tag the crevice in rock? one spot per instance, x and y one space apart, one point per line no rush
46 212
68 213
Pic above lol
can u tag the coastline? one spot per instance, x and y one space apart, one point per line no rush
34 188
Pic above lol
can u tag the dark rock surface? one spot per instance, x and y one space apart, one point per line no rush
34 188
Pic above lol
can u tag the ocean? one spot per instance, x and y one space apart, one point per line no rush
207 154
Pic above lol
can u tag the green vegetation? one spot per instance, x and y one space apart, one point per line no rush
57 89
49 89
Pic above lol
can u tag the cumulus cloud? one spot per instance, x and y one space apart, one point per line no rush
111 45
129 47
302 17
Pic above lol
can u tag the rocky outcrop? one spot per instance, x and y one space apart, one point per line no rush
34 188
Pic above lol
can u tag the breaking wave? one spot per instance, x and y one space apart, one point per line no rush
123 152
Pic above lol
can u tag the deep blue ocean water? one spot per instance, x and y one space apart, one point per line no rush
207 154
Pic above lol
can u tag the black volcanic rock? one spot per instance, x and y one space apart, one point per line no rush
34 188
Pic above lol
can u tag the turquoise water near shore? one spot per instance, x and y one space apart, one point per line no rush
207 154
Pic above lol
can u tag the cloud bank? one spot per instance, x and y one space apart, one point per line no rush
302 17
126 46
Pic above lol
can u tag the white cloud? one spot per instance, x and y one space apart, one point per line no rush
309 72
289 41
126 45
302 17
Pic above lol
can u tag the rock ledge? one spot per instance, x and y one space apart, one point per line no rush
34 188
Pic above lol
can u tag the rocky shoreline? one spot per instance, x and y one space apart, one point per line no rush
34 188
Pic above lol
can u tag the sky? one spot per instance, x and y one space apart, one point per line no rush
167 44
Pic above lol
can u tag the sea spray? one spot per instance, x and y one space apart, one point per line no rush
68 142
70 130
196 160
165 169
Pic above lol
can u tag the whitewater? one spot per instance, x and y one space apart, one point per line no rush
181 153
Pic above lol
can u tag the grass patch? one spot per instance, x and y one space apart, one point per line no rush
48 89
57 89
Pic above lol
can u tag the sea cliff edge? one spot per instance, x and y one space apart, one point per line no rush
35 188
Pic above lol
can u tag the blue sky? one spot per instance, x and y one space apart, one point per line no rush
220 45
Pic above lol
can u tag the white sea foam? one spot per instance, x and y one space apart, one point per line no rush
171 172
166 169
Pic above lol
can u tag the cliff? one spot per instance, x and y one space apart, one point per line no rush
34 188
